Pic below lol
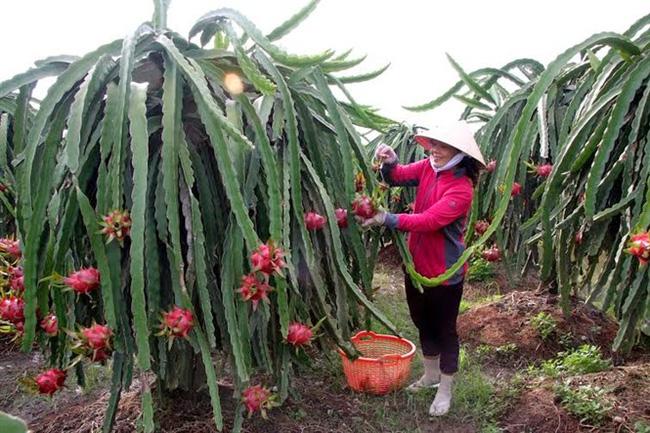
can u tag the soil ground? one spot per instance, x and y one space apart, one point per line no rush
495 390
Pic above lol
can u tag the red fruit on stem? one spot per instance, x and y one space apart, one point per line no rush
363 207
83 281
97 336
178 322
267 258
10 247
299 334
544 170
481 226
341 217
50 325
50 381
516 189
492 254
639 246
256 398
578 238
17 284
314 221
12 309
254 290
491 166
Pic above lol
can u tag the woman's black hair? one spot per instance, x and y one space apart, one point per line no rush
472 168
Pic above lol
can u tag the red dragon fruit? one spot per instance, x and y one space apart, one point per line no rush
83 281
254 290
17 284
50 325
267 258
116 225
50 381
299 334
578 238
314 221
491 166
341 217
96 342
516 189
639 246
543 170
363 207
257 398
177 322
492 254
10 247
12 309
481 226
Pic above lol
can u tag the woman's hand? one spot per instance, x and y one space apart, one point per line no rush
385 154
378 220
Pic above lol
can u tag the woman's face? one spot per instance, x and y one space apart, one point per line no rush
441 153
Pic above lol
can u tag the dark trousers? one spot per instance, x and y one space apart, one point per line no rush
434 313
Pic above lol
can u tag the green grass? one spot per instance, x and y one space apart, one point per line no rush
583 360
544 324
466 304
587 402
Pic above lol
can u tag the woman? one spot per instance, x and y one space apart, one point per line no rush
445 183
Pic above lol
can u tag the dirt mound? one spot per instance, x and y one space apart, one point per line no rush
628 388
508 322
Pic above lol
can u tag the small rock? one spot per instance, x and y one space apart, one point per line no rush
619 420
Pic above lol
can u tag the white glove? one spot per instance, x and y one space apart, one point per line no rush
377 220
385 154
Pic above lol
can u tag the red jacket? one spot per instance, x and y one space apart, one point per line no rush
437 224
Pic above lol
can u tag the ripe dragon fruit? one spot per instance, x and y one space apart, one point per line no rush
363 207
314 221
178 322
94 342
10 247
341 217
83 281
17 284
267 258
254 290
481 226
639 247
12 309
257 398
491 166
299 334
116 225
492 254
50 381
50 325
544 170
515 191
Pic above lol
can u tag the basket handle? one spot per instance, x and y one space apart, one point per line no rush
365 335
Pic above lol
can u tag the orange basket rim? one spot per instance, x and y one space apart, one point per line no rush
361 334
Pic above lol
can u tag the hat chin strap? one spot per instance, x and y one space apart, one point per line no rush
454 161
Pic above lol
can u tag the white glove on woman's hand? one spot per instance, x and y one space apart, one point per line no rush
385 154
377 220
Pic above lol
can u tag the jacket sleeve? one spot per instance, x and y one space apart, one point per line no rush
403 175
454 203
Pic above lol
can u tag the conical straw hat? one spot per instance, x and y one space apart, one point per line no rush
457 135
